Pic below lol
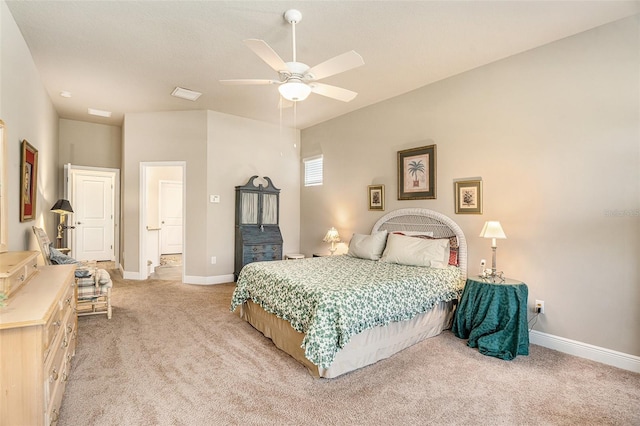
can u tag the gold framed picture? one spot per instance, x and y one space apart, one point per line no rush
468 195
28 182
376 197
417 173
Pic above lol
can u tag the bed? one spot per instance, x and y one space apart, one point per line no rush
336 314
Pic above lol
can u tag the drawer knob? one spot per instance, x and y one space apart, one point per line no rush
65 343
255 249
64 377
69 328
54 375
68 301
22 277
56 323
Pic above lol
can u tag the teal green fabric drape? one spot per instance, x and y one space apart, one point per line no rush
493 316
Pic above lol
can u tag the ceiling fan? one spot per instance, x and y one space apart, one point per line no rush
298 80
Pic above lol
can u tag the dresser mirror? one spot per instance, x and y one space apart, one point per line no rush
3 188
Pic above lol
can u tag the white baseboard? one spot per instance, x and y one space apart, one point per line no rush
188 279
127 275
585 350
216 279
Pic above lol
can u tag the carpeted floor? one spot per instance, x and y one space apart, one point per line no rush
173 354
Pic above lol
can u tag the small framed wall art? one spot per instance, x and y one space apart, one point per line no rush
28 182
376 197
468 195
417 173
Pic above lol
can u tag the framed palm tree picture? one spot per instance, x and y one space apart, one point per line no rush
417 173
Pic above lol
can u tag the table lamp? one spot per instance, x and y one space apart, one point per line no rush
332 237
63 208
493 230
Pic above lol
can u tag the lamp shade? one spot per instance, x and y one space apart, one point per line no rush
332 236
492 229
62 206
294 90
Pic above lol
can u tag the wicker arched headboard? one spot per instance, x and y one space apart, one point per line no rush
424 220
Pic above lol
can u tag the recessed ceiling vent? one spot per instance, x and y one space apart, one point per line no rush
187 94
99 112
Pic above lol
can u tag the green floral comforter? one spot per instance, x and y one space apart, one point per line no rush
330 299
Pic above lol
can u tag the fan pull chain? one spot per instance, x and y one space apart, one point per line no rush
293 31
295 115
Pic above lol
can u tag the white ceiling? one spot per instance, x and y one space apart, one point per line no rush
128 56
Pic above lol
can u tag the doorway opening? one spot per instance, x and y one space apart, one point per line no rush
162 194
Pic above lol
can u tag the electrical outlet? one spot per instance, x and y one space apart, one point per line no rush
539 306
213 260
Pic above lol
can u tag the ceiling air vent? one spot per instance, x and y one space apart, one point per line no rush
187 94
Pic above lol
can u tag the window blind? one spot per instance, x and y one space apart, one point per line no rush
313 171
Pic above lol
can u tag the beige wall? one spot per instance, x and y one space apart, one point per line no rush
28 113
220 151
554 134
157 137
238 149
90 144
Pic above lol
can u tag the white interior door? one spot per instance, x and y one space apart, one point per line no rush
93 216
170 203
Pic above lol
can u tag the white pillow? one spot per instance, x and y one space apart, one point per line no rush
367 246
415 233
416 251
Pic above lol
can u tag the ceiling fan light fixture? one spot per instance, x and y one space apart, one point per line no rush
294 90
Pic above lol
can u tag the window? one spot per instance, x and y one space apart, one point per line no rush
313 171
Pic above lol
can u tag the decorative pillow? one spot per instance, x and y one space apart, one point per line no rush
59 258
367 246
416 251
453 243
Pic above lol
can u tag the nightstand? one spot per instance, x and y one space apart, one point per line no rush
294 256
493 316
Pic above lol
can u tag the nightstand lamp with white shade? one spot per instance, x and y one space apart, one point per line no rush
332 237
493 230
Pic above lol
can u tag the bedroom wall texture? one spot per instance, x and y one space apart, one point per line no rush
220 151
554 133
90 144
28 113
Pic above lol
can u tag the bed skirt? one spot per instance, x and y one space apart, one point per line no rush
363 349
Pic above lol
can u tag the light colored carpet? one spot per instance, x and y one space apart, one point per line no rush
173 354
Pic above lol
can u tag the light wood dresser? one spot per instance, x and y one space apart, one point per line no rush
38 333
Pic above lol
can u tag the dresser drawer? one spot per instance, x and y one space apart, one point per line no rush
16 268
59 318
56 366
263 248
259 253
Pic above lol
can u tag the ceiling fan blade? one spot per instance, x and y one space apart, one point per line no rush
253 82
336 65
267 54
333 92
